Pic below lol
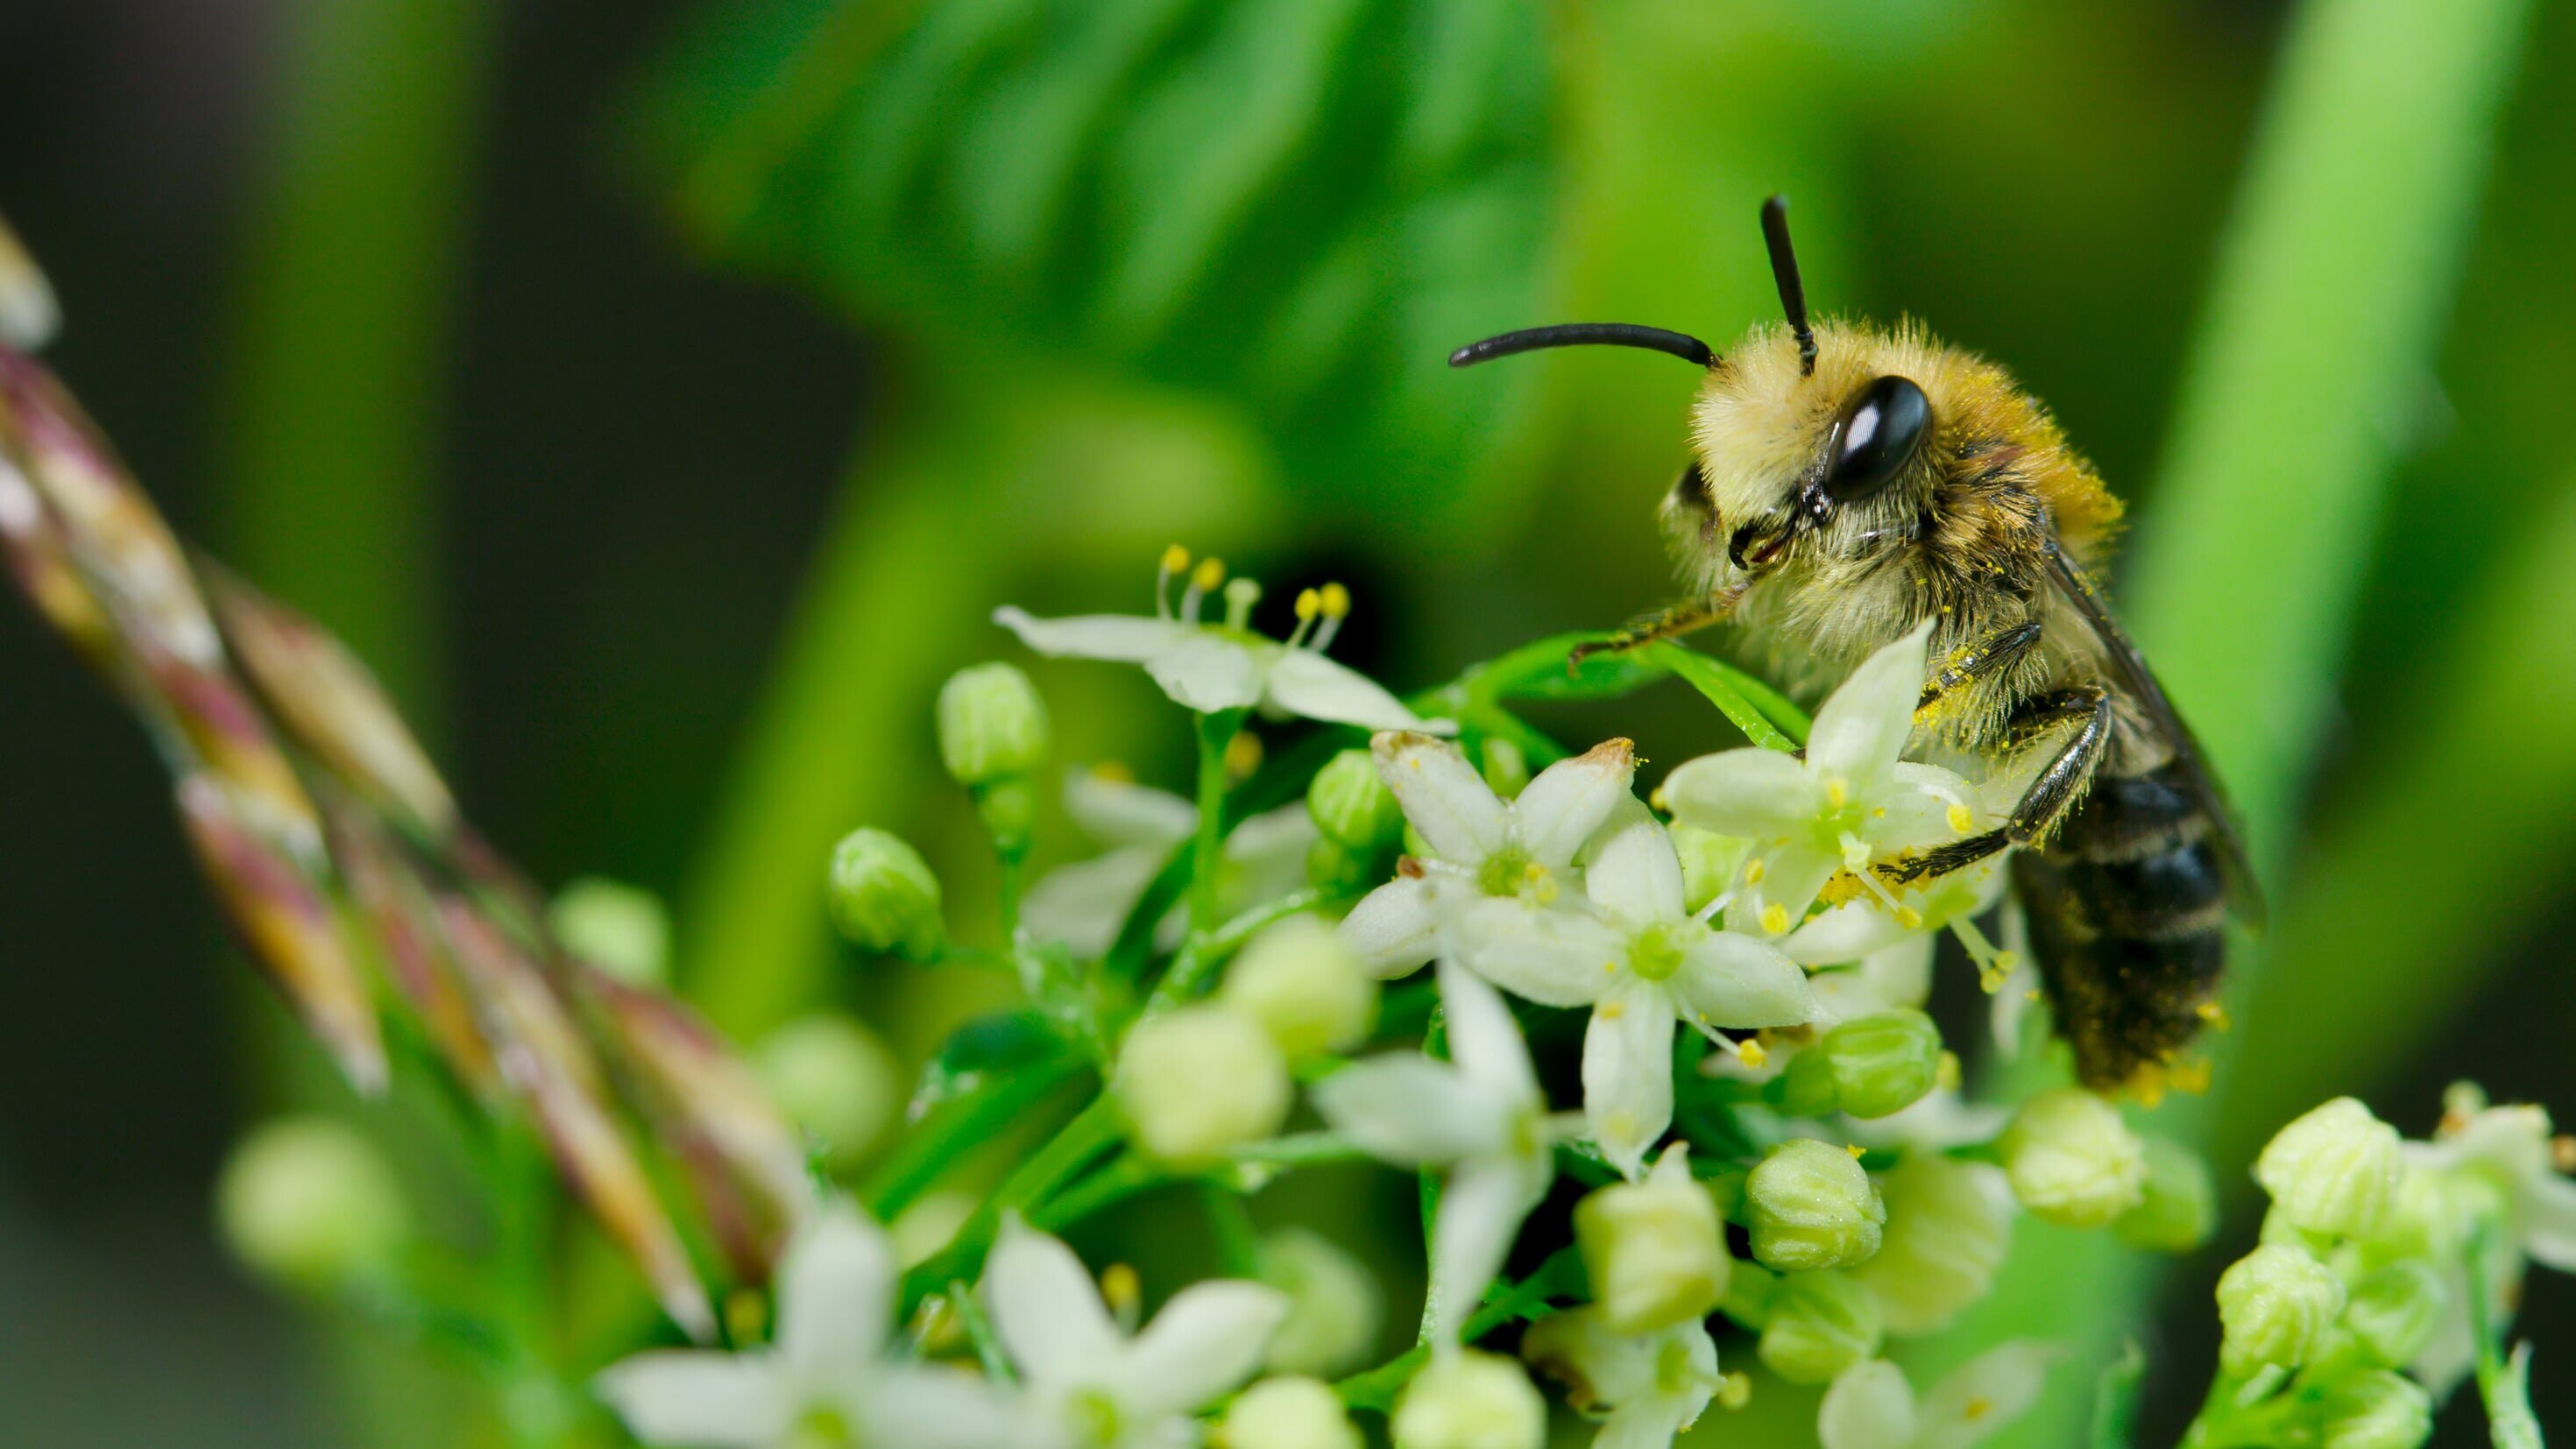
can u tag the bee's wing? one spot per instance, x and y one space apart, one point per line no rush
2140 681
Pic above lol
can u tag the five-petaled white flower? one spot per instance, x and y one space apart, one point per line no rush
1084 903
1480 843
2509 1150
1221 666
1642 962
1849 802
828 1378
1871 1406
1085 1382
1479 1114
1645 1388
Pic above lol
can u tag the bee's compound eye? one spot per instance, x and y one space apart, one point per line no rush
1879 432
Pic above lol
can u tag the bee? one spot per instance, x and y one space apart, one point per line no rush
1848 482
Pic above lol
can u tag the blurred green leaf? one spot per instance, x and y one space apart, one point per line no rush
1299 204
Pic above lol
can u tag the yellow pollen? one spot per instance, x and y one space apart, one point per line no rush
2214 1014
1308 605
1945 1072
1856 1150
1775 918
2031 995
1978 1408
1962 821
1175 559
1211 572
1837 794
1116 772
2008 961
1908 917
1609 968
1753 871
1242 757
1120 1289
1660 801
2191 1077
1752 1053
1337 602
2562 1152
1611 1010
1734 1390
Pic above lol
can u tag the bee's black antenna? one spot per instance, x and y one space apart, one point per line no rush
1582 334
1784 270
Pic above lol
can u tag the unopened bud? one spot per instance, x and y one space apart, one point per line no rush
883 896
309 1202
2072 1160
1009 809
1289 1413
2375 1410
2178 1204
2394 1312
834 1079
621 929
1304 987
2275 1305
1820 1325
992 725
1341 870
1949 1224
1200 1080
1469 1400
1654 1249
1811 1206
1351 804
2335 1170
1334 1303
1881 1064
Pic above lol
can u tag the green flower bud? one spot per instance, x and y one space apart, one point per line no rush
1009 809
309 1202
2375 1410
1820 1325
1289 1413
992 725
1810 1206
2431 1218
1304 987
1334 1304
2178 1206
883 896
834 1079
2072 1160
1710 862
1469 1400
2275 1306
618 928
1351 804
1200 1080
2393 1312
1806 1086
1654 1249
1339 870
1504 767
1882 1063
2335 1170
1949 1224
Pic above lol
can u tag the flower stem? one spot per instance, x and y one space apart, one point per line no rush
1090 1133
1238 1242
1207 853
979 1332
2503 1381
956 1129
1204 952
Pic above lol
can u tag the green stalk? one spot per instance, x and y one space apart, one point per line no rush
1207 846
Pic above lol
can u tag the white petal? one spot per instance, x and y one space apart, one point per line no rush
2549 1221
1306 683
1484 1039
1206 1341
1045 1308
1409 1110
935 1407
1650 1423
1393 929
1750 792
1637 874
1847 933
835 1290
1791 876
687 1399
1869 1407
1740 982
1207 673
1126 638
1456 812
1862 728
1910 819
1264 843
1628 1073
1084 904
1538 953
1983 1395
1481 1208
1122 812
1560 809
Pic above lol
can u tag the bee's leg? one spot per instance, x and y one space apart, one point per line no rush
2046 800
1984 659
1687 617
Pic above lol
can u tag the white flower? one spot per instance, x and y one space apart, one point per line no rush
1890 951
1645 1388
1847 803
1642 962
827 1379
1479 1114
1480 843
1213 667
1083 904
2512 1148
1872 1407
1084 1381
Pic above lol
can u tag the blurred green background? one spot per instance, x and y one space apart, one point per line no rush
662 394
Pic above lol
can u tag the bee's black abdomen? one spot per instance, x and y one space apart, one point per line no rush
2128 912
